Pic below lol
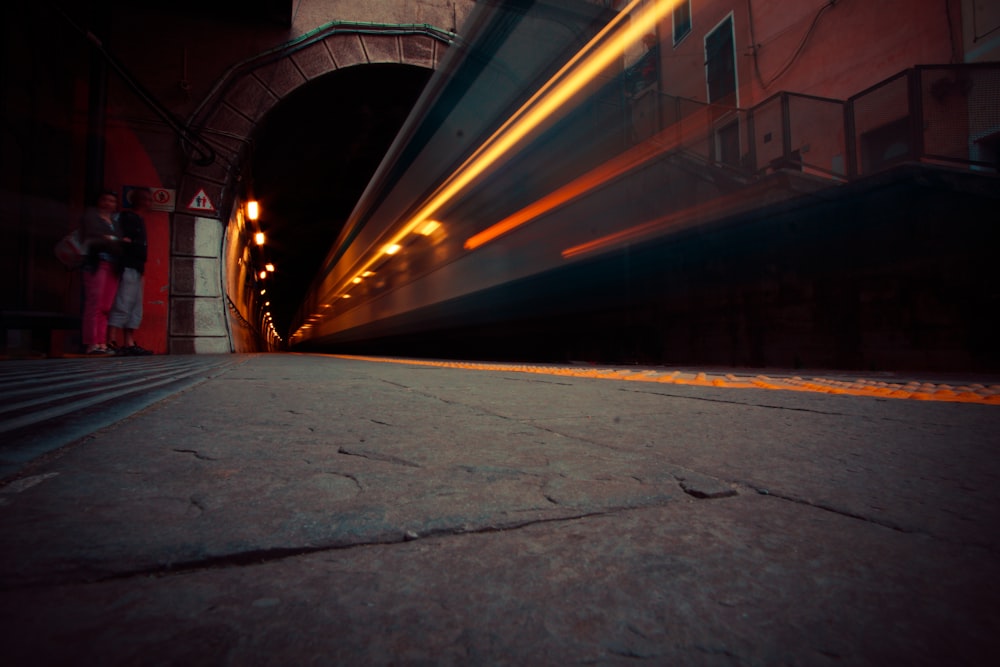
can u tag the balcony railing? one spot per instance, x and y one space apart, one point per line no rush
939 114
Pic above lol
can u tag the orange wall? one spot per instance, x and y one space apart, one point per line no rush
854 44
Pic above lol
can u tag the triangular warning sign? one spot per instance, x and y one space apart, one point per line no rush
201 202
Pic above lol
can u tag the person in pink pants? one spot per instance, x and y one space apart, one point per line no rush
100 271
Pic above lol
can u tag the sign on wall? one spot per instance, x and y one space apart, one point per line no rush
201 202
164 199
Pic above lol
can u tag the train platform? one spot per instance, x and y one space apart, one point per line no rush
314 509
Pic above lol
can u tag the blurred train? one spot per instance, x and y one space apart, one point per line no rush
527 211
500 126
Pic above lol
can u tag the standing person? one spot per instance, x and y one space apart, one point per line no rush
126 313
100 271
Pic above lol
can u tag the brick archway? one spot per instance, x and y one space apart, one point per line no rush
226 119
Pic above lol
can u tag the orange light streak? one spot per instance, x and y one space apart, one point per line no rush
677 220
665 141
571 78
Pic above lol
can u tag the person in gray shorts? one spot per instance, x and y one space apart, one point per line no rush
126 313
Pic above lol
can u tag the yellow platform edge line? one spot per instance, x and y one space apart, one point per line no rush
875 389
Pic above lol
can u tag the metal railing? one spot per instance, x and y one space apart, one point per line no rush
944 114
933 113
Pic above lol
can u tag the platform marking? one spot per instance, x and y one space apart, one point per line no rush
920 391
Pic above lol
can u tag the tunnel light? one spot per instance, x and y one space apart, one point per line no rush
345 296
356 280
267 303
392 249
269 267
253 209
259 238
263 292
366 274
263 274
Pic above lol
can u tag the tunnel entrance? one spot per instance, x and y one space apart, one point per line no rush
312 157
321 75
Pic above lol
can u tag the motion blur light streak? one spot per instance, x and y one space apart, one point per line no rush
633 158
431 227
554 95
607 46
688 217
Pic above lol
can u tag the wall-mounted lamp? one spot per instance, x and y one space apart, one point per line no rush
253 209
269 267
263 274
259 238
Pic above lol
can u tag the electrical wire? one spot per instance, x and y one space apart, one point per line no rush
798 50
204 153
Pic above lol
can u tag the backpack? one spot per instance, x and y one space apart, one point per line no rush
71 250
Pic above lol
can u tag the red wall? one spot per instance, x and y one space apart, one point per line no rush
127 163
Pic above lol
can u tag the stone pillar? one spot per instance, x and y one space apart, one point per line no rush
197 303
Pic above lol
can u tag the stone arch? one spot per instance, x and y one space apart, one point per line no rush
225 121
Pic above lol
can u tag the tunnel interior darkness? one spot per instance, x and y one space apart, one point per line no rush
313 155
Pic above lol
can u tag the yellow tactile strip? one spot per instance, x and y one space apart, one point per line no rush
921 391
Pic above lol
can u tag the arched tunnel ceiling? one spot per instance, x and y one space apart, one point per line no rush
313 155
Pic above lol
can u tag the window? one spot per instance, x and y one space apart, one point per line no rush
720 75
682 20
720 64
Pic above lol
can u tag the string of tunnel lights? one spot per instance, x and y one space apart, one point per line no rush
253 215
630 24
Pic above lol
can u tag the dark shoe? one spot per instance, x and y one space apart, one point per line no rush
136 351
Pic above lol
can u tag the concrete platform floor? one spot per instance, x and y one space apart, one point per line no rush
308 509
